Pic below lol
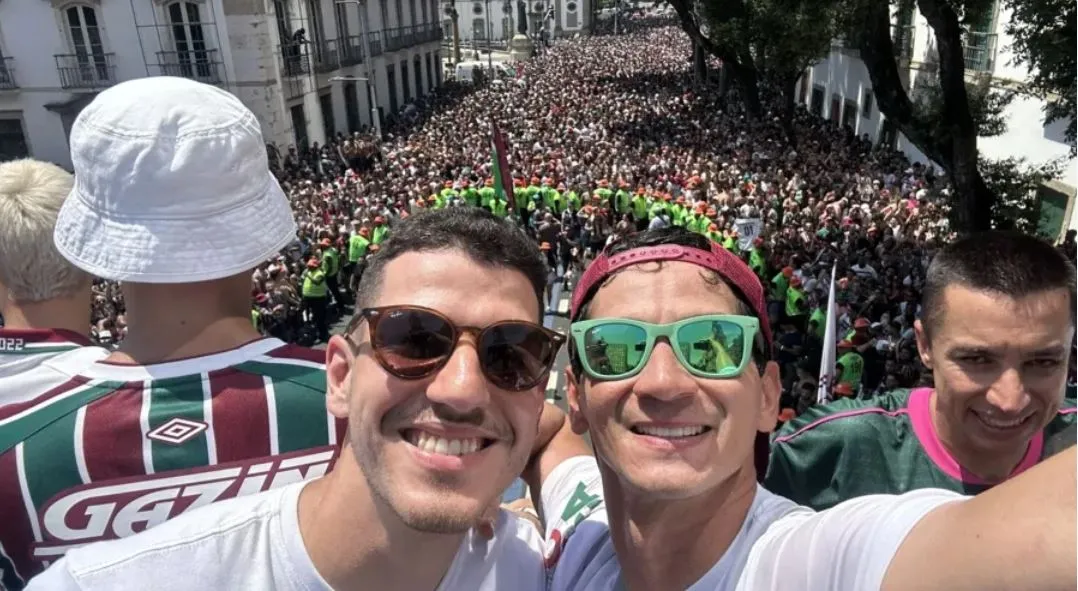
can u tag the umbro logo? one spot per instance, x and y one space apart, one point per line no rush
177 431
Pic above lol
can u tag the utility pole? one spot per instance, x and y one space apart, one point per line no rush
456 30
490 33
372 93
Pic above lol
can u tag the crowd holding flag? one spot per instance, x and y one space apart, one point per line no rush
503 182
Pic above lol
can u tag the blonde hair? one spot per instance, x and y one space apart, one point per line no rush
31 193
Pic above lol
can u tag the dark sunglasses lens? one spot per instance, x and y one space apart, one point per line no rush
515 356
711 347
614 348
413 342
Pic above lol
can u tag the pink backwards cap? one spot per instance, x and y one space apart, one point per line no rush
718 259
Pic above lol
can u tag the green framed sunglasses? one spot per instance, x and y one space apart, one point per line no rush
714 346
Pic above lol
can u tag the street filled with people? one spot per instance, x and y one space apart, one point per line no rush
192 421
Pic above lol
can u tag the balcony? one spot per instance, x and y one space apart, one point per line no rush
326 56
87 71
394 38
376 44
202 65
7 74
294 60
352 51
980 51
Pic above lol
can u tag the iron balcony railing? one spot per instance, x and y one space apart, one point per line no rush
376 43
7 74
294 59
352 51
86 70
197 64
393 38
980 51
326 56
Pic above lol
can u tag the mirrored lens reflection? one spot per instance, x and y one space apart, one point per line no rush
615 348
712 347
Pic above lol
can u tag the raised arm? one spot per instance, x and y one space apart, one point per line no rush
1018 535
554 444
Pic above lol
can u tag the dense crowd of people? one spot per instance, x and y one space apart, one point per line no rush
612 135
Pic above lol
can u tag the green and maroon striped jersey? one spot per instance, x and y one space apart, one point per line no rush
120 448
883 445
22 349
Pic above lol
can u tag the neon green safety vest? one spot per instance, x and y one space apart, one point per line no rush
357 248
793 296
314 284
821 322
853 365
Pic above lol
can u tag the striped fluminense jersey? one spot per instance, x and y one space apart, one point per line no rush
22 349
137 445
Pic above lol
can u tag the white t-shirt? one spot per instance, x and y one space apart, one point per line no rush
781 546
254 542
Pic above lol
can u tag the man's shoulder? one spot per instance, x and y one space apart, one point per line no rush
48 373
845 419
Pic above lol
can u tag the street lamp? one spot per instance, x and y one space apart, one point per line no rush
372 95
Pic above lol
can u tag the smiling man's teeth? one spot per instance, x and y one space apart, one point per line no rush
1000 424
671 432
447 447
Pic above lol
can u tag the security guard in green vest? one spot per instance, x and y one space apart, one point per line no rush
622 198
850 366
605 195
487 195
818 322
331 266
757 259
447 192
380 231
639 205
357 249
469 193
796 307
315 296
713 234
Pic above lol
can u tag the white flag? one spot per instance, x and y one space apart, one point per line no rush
830 339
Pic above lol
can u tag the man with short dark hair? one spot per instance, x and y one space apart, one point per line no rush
441 377
671 500
997 329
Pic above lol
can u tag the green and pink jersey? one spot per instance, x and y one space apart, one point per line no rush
23 349
117 449
884 445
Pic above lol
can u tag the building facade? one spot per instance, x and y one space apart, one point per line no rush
839 88
300 65
496 20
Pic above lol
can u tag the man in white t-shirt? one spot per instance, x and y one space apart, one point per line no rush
443 399
672 378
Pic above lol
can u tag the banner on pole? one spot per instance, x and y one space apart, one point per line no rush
830 340
503 180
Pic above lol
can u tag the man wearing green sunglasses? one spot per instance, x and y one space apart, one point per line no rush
671 376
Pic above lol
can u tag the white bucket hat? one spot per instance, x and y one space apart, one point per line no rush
172 185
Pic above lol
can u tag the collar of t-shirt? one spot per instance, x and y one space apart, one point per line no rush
55 336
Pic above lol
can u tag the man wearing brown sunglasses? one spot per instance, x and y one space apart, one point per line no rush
441 376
